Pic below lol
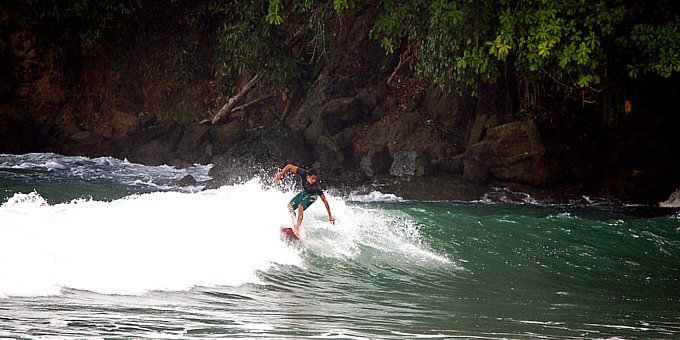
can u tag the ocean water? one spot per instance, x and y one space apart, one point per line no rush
103 248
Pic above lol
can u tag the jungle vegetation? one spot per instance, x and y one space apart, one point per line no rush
575 48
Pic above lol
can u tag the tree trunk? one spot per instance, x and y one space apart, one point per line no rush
221 115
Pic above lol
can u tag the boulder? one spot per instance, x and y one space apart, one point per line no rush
341 113
376 161
258 154
123 124
511 152
227 135
192 145
371 97
409 163
429 188
329 157
155 145
475 172
285 146
186 181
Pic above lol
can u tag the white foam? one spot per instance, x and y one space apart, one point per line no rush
673 200
157 241
121 171
375 196
393 235
177 240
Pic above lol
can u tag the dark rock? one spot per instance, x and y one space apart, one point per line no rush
315 129
192 145
511 152
429 188
349 87
186 181
372 96
86 143
474 172
67 123
86 137
226 136
376 161
409 163
123 124
156 145
340 113
259 155
286 146
478 130
227 171
329 157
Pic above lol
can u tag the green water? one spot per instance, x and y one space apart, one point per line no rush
559 271
210 264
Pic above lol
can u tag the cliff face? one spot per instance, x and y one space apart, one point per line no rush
346 120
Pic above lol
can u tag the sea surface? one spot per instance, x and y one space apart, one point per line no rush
94 248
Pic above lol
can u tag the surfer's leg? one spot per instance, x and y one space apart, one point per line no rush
292 214
300 214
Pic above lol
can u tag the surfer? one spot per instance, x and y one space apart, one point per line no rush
311 189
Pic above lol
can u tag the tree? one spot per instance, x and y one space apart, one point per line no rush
77 26
575 45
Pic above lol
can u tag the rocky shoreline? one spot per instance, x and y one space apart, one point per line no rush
356 119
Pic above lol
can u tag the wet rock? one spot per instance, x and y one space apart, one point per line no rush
430 188
186 181
123 124
86 137
259 155
328 154
511 152
226 136
156 145
409 163
376 161
341 113
192 145
475 172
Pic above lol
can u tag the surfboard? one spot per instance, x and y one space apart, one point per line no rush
286 230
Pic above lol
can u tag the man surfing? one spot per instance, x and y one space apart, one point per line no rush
311 189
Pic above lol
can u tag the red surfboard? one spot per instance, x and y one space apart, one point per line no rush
289 231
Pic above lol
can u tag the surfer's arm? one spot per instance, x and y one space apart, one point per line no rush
328 208
288 167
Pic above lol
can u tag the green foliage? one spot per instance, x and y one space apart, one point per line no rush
563 40
575 44
276 9
79 24
455 48
250 40
397 21
273 16
658 47
272 43
340 5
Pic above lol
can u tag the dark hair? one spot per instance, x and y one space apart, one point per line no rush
312 172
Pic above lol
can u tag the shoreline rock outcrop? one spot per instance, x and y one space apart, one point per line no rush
407 136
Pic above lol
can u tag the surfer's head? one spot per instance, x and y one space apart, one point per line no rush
312 176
